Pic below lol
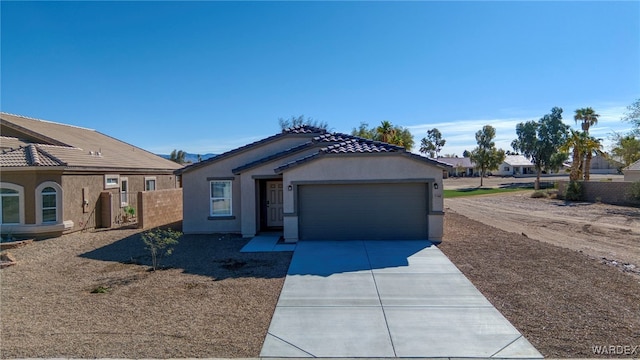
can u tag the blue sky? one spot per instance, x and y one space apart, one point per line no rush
211 76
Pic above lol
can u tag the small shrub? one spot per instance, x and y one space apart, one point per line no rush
539 194
159 242
574 191
101 290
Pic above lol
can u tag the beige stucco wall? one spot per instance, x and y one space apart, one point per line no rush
29 180
365 167
72 185
632 175
195 183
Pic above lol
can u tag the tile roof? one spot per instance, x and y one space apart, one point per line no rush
304 129
30 155
297 130
9 142
79 147
359 145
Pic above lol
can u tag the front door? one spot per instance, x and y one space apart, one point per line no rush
274 203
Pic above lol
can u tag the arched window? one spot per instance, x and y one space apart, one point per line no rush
48 203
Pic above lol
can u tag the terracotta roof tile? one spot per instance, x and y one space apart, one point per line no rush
31 155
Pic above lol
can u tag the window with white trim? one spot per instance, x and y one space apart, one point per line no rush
220 204
111 181
10 203
49 205
149 184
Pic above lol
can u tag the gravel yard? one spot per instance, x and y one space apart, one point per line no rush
213 301
563 301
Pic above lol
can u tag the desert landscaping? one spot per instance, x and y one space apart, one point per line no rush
556 270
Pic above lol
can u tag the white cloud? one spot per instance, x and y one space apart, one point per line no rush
460 134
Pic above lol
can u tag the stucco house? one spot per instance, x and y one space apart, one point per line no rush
460 166
514 165
57 178
632 172
311 185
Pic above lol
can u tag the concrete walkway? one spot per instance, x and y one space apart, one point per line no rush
385 299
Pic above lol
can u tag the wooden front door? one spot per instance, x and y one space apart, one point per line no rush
274 203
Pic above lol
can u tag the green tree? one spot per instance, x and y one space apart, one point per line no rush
159 242
627 148
466 153
486 156
386 132
583 147
541 140
432 143
301 120
633 116
587 116
363 131
178 156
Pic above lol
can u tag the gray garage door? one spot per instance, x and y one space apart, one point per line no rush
395 211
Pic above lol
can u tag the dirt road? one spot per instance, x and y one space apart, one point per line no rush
598 230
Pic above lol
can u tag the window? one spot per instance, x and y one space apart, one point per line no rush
10 206
124 192
506 168
220 198
149 184
49 205
111 181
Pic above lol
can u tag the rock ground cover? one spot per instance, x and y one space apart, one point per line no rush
88 295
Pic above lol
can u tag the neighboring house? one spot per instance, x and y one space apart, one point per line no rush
311 184
605 165
459 166
632 172
58 178
515 165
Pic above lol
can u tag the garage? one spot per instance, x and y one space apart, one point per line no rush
363 211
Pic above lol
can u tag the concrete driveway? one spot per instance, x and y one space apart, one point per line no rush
385 299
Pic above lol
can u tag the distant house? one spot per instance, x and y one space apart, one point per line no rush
514 165
460 166
605 165
312 185
58 178
632 172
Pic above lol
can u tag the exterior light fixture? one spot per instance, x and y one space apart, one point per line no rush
435 185
289 187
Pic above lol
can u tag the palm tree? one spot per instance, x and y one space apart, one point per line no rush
575 143
588 117
583 148
591 146
385 132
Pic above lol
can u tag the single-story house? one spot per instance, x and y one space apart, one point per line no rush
632 172
460 166
311 184
514 165
57 178
605 165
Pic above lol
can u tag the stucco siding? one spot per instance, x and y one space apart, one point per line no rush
196 193
632 175
29 180
363 168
